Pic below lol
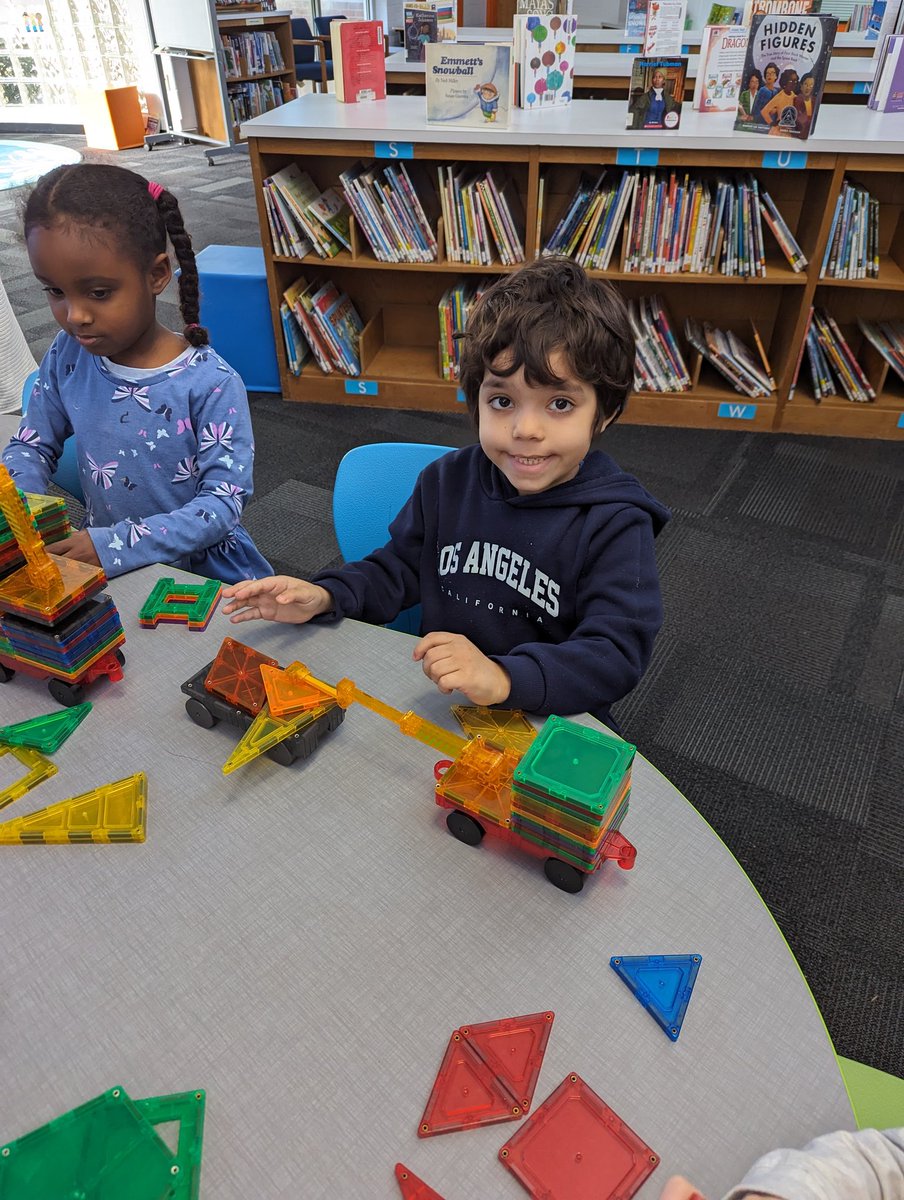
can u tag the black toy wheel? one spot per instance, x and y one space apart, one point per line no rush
280 753
563 875
465 828
200 714
67 694
6 673
120 657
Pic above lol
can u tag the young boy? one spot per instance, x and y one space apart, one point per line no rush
531 555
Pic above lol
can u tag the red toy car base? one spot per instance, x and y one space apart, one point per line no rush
413 1188
466 1093
513 1049
575 1147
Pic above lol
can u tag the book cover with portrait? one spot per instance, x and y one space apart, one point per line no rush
657 93
785 73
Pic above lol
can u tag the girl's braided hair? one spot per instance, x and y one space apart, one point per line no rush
138 214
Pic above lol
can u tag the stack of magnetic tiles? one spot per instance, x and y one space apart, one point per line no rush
571 790
69 646
49 514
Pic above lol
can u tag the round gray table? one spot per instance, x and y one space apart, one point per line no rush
302 942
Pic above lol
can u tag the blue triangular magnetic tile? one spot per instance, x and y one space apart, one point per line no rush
663 984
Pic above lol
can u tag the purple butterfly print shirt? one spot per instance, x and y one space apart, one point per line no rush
165 463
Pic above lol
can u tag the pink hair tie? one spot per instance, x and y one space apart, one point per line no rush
156 190
194 325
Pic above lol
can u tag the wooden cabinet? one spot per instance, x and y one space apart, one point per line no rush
398 302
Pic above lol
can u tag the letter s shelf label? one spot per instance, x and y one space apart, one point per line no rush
393 149
362 387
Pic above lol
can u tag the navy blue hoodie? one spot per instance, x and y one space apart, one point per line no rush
560 588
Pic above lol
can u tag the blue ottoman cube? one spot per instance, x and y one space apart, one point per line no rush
235 307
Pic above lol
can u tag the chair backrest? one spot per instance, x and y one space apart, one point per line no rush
372 485
301 29
322 25
66 475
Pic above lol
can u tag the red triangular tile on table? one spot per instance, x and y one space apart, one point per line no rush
413 1188
513 1049
466 1093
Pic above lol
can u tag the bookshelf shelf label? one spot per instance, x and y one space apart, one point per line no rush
630 48
393 149
460 397
901 421
737 412
862 87
255 21
785 160
632 156
362 387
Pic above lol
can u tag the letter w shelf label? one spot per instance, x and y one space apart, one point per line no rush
737 412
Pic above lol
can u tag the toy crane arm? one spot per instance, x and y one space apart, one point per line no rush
42 569
346 692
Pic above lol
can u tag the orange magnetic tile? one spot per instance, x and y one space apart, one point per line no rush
507 728
466 1093
513 1049
289 692
72 582
235 675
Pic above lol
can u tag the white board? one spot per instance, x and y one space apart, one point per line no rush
182 24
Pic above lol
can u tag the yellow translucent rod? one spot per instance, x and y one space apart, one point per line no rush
347 692
42 570
299 671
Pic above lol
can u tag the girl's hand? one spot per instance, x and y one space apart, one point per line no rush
455 664
77 545
277 598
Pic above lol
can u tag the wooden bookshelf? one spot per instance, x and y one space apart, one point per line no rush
277 22
398 302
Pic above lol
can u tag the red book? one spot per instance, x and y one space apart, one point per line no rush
359 60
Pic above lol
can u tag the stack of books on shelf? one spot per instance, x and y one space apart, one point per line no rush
251 53
888 339
482 214
887 93
454 310
247 100
832 362
659 365
328 322
852 251
671 224
235 7
592 222
748 373
304 219
394 208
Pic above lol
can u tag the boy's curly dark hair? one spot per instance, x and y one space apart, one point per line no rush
118 201
550 306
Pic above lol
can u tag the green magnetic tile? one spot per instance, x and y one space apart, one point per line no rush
46 733
102 1150
188 1109
572 762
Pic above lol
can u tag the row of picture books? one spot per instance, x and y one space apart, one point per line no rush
321 323
670 223
251 53
833 366
247 100
852 251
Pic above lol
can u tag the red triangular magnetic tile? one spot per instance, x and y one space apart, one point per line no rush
466 1093
513 1049
413 1188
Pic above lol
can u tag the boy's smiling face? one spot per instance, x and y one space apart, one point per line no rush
536 436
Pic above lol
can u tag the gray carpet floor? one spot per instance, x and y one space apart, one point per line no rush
775 700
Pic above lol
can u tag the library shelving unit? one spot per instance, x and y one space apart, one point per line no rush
398 302
278 23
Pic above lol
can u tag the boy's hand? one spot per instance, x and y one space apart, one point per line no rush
276 598
77 545
455 664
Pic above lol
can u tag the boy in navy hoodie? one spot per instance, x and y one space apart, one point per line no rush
530 554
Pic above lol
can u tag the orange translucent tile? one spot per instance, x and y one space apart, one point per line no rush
115 812
71 583
508 728
235 675
480 780
291 691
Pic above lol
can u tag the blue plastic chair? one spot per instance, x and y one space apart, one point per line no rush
311 62
66 475
372 485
